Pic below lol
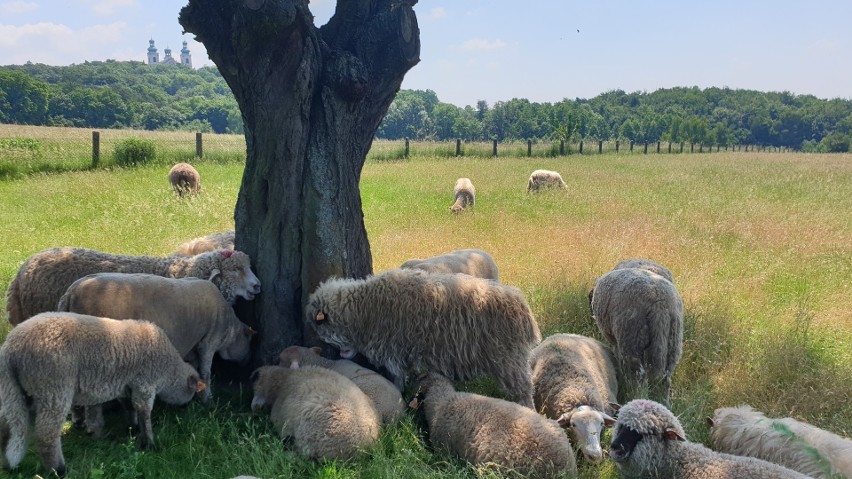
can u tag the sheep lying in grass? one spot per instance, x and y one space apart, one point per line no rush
574 382
184 179
544 179
474 262
648 441
481 429
386 398
324 413
57 360
786 441
44 277
464 194
203 244
408 320
640 313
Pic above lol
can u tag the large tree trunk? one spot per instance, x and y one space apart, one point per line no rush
311 101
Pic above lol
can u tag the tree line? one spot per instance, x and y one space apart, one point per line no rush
115 94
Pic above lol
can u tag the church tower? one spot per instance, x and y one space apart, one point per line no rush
185 57
153 56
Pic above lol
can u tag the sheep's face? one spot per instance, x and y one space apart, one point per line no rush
644 432
266 384
294 356
184 385
330 329
585 425
238 346
235 278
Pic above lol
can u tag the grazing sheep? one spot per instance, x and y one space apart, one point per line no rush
185 179
640 314
203 244
464 194
786 441
574 382
385 396
648 442
474 262
325 414
481 429
44 277
651 266
407 320
57 360
545 179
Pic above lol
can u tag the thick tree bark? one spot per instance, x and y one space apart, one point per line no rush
311 101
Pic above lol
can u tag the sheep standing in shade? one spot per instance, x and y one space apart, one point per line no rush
464 194
184 179
648 442
575 383
474 262
55 361
411 321
640 313
385 396
481 429
325 414
203 244
785 441
44 277
540 179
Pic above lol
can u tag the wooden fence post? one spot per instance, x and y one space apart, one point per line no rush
198 151
670 147
458 147
406 148
658 147
581 147
631 146
681 147
617 144
701 147
529 148
600 146
494 149
96 148
692 147
561 147
645 150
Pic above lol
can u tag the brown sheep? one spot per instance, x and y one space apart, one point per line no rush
184 179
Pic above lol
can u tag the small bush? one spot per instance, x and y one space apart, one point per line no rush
133 151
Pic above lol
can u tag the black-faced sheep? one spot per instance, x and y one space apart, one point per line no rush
385 396
474 262
44 277
411 321
540 179
54 361
203 244
325 414
464 194
184 179
640 314
785 441
575 383
648 442
481 429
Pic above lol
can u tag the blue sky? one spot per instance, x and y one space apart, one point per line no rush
543 50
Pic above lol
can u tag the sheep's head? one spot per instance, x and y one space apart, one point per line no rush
266 382
185 383
237 346
640 436
321 314
294 356
585 424
234 276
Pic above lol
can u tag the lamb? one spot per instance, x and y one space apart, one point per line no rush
203 244
57 360
481 429
648 441
464 194
386 398
545 179
474 262
325 414
44 277
640 313
786 441
184 179
575 383
407 320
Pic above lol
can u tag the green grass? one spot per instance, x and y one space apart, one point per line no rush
760 245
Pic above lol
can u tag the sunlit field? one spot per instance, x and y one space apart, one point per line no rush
760 245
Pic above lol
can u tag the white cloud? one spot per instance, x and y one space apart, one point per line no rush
108 7
436 13
57 44
18 7
481 45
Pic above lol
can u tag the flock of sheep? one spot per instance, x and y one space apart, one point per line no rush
93 327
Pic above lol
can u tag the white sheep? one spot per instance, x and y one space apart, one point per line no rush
203 244
464 195
474 262
575 384
481 429
648 442
640 313
410 321
184 179
544 179
325 414
54 361
785 441
44 277
385 396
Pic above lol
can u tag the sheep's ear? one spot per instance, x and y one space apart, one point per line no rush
673 435
614 406
294 365
320 316
608 421
565 419
414 403
196 384
710 421
317 350
213 274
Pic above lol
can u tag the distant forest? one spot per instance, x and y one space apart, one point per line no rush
115 94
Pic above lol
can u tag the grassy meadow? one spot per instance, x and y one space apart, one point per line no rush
760 245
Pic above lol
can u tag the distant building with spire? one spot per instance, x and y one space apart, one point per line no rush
154 56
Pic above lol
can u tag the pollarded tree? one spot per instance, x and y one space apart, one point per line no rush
311 100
